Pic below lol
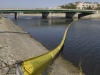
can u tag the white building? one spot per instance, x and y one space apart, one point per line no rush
84 5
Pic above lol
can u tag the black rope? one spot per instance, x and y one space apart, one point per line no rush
17 62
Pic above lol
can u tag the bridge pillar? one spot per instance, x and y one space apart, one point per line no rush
46 15
71 15
16 16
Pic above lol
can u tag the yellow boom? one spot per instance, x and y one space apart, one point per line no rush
37 65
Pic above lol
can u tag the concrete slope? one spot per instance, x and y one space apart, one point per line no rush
16 44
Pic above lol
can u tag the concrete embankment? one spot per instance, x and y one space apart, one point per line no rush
16 44
91 16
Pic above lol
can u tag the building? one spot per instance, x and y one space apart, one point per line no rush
84 5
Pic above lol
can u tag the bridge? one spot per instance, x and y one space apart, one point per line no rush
47 12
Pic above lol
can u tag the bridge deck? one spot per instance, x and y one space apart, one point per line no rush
47 10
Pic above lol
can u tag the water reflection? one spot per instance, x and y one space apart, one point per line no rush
47 31
83 40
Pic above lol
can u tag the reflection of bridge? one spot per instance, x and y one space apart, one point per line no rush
47 12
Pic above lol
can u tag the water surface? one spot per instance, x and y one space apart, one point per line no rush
82 42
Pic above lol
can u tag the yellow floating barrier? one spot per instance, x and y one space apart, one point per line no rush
37 65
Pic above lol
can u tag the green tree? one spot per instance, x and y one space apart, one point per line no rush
69 6
98 8
72 6
89 8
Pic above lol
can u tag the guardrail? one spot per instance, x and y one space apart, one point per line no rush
37 65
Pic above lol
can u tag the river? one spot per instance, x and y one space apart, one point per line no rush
82 42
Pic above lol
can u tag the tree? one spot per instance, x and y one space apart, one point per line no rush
72 6
69 6
98 8
89 8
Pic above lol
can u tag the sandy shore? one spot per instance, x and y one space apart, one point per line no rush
16 44
62 67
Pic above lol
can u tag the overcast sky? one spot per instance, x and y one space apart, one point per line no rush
37 3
